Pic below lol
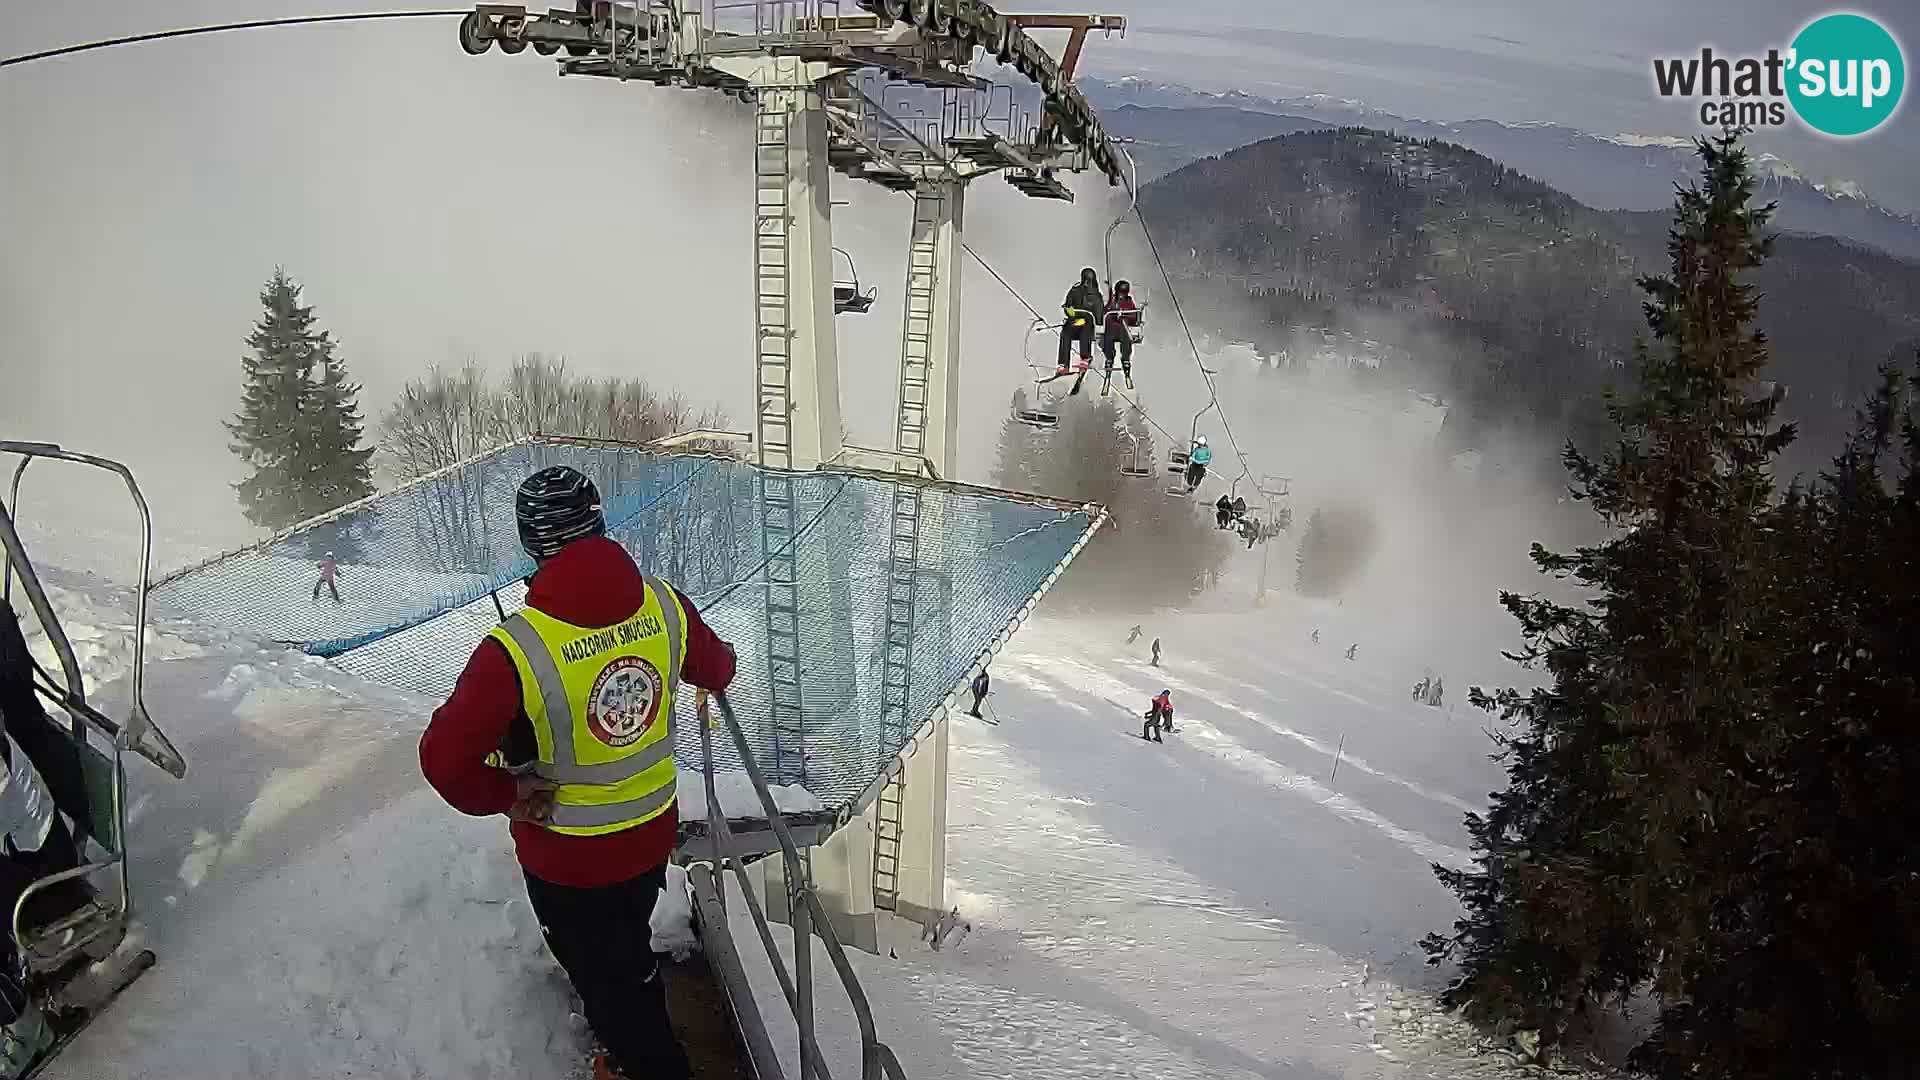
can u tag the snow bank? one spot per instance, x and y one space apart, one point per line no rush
406 948
734 789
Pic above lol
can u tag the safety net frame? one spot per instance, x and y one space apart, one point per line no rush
427 568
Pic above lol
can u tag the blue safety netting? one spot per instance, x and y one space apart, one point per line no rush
420 568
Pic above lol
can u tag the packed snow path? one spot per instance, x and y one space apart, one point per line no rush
1213 906
1217 906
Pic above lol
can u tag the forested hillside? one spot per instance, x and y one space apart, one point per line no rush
1508 298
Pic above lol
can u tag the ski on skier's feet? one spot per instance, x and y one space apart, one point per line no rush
69 1023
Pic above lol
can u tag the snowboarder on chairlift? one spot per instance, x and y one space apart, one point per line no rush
1223 511
1159 716
1123 314
982 686
1199 456
1084 307
329 572
593 849
1156 652
1133 635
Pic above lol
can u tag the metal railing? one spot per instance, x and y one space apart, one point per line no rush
809 917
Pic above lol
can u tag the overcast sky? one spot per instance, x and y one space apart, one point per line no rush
440 207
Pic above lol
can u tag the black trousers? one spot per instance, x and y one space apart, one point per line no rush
1117 335
1196 473
605 941
1071 332
328 582
978 697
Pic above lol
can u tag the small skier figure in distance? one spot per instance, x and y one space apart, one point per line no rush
1159 716
1084 306
1436 696
1156 652
1316 635
329 571
1351 649
1133 635
982 686
1198 458
1123 314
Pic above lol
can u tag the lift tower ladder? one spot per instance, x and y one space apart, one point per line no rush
773 132
910 442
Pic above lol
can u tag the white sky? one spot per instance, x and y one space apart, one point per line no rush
440 207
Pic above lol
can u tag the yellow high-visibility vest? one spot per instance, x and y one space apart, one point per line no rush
601 703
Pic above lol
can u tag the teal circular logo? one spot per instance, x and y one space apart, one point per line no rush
1847 75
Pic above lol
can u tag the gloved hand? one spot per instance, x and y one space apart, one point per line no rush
532 799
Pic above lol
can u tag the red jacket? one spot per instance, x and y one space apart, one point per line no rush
1164 703
1118 308
592 583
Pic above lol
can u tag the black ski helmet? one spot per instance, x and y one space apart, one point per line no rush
555 507
1122 288
1090 276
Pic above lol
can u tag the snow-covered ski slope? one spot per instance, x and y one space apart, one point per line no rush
1218 906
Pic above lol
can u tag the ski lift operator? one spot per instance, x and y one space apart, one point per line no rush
563 722
1084 307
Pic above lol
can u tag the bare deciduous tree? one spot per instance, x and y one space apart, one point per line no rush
445 418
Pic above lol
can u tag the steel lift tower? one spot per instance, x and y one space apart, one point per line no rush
883 91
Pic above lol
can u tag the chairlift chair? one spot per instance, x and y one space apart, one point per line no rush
848 298
1038 419
1135 466
83 764
1135 321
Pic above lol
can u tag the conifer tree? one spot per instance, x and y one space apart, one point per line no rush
299 427
1600 867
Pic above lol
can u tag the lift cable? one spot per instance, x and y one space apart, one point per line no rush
254 24
1246 467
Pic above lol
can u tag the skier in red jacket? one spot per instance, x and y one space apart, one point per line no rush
595 865
1159 716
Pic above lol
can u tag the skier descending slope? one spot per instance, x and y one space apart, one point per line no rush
563 721
1159 716
982 686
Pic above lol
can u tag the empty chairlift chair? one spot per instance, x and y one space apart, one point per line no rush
848 297
1041 419
1136 465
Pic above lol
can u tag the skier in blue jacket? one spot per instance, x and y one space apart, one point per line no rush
1198 458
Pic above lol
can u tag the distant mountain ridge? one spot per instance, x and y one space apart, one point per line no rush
1178 124
1481 283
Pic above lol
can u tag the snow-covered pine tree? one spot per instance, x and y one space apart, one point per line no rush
298 428
1601 867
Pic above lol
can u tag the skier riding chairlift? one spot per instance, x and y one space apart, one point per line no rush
72 901
1122 330
1084 306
